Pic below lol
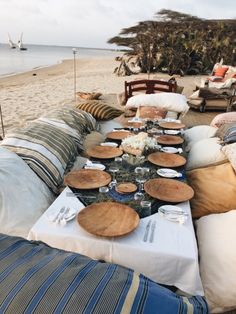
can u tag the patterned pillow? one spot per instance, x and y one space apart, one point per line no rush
223 129
222 118
47 150
88 96
230 135
99 110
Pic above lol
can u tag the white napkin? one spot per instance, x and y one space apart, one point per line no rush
90 165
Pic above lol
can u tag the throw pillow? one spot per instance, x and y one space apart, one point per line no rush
23 196
205 153
198 133
230 152
217 249
99 110
220 71
223 129
222 118
230 135
163 101
214 189
88 96
47 150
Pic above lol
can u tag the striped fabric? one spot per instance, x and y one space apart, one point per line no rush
46 149
35 278
230 135
100 110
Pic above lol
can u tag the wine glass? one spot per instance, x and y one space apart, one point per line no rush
113 170
141 176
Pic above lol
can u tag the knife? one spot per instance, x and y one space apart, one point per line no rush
153 228
147 231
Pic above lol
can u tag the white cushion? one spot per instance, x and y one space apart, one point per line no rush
198 133
167 101
204 153
23 196
217 249
230 152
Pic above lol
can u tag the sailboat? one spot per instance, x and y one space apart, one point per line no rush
20 43
11 44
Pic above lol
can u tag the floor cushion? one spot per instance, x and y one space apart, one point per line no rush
222 118
23 196
214 189
163 101
99 110
205 153
150 112
198 133
230 153
46 149
223 129
217 249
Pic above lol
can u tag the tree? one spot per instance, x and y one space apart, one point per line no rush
176 43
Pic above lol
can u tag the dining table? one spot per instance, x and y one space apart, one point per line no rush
162 249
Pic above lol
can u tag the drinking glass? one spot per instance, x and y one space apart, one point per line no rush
118 162
113 170
102 196
146 209
141 176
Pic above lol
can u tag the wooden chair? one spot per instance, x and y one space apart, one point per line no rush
149 87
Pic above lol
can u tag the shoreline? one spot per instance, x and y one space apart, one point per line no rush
29 95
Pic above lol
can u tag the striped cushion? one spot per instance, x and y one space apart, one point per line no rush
47 150
35 278
100 110
230 135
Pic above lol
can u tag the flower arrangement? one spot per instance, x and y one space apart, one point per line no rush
136 144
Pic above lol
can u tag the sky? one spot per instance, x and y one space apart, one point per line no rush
90 23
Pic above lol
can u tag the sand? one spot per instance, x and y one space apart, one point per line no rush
27 96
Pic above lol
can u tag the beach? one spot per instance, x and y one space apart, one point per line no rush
27 96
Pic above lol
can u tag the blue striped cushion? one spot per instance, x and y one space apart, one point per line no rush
46 149
35 278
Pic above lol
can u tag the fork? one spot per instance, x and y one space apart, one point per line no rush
147 231
57 217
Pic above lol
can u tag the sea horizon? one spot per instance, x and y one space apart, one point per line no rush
15 61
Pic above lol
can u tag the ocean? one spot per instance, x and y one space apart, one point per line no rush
14 61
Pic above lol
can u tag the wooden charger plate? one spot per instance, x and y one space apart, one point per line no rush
166 159
126 187
104 152
87 179
169 139
108 219
118 135
168 190
172 125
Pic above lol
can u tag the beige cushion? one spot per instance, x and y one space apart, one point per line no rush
217 249
204 153
214 189
198 133
230 152
88 96
222 118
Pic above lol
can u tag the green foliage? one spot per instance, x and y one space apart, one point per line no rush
177 43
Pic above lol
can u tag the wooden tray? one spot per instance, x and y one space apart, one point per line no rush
108 219
166 160
126 187
169 139
87 179
168 190
172 125
118 135
104 152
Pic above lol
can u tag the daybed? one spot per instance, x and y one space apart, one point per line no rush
36 278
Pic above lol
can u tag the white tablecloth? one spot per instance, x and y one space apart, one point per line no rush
171 259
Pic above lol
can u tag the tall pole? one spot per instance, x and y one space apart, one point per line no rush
74 53
3 132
